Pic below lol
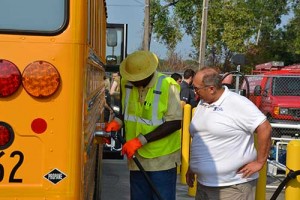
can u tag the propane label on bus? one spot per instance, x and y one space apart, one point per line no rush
55 176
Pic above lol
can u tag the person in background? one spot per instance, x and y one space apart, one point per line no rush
115 91
223 156
177 77
152 117
108 111
106 83
115 86
187 93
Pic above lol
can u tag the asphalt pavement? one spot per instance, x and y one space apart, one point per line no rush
115 183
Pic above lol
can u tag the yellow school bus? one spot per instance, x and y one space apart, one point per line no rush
52 56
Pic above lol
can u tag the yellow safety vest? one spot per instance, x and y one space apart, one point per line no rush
144 118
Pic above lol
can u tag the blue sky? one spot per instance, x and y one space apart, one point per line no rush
131 12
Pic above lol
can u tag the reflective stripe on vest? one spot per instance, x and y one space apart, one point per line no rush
157 92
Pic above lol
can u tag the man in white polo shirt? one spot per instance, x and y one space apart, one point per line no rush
223 155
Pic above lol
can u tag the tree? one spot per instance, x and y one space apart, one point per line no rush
165 27
291 37
281 44
234 26
175 63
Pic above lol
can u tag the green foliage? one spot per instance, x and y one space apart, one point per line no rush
165 26
293 31
233 26
280 44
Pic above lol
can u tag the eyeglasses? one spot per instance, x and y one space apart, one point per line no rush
199 88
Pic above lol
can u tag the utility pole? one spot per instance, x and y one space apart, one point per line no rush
258 33
203 34
146 26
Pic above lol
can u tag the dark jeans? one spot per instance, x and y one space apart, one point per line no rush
163 181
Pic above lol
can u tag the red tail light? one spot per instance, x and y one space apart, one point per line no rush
10 78
6 135
40 79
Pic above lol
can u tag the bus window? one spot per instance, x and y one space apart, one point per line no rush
47 16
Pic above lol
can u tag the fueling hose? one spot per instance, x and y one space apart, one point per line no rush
137 162
111 130
291 175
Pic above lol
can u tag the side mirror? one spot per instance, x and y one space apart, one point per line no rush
265 93
257 90
112 37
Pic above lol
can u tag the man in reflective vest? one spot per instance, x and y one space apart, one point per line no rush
152 118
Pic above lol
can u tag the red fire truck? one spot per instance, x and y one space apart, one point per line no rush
275 89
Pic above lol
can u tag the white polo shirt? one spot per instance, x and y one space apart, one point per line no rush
222 139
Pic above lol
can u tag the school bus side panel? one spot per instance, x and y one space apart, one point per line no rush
60 151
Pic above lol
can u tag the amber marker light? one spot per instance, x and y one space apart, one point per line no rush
40 79
10 78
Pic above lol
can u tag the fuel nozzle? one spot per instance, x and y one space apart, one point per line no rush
109 134
110 129
114 125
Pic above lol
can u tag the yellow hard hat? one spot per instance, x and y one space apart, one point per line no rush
138 65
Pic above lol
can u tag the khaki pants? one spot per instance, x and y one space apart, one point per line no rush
243 191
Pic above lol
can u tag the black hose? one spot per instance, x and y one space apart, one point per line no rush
245 78
137 162
291 175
